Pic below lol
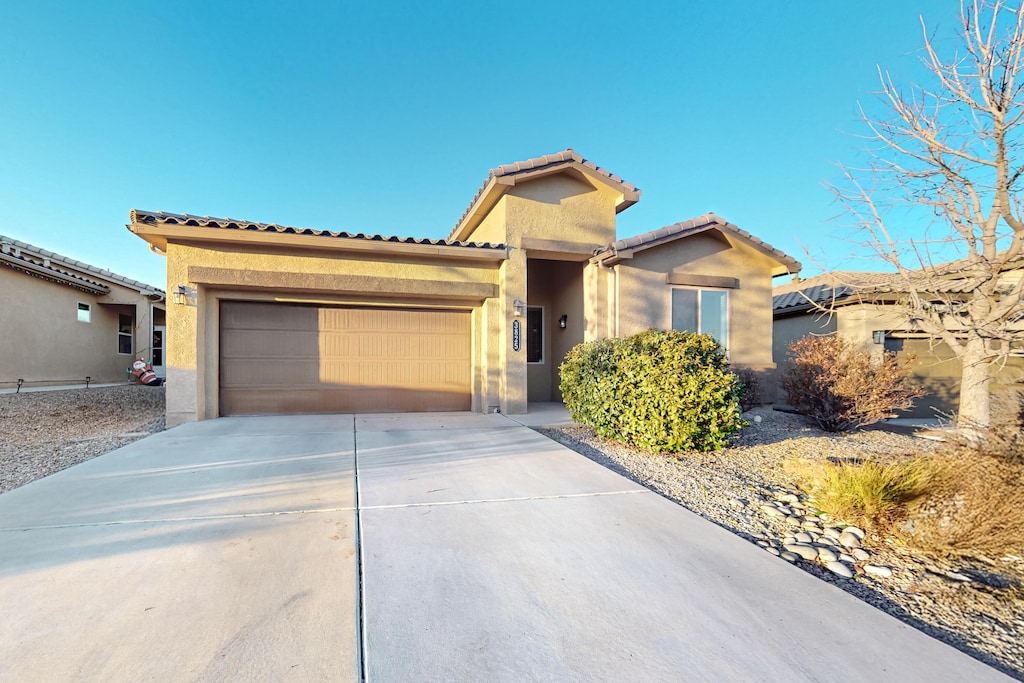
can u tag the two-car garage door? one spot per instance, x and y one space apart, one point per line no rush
292 358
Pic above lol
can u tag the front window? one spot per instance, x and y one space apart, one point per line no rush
84 313
704 311
124 334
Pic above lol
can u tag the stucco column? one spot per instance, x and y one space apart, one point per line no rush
182 322
513 287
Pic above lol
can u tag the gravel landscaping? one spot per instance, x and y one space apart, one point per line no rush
42 432
975 605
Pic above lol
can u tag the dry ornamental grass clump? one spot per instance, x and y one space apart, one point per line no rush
976 506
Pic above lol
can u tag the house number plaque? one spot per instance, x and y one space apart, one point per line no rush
517 335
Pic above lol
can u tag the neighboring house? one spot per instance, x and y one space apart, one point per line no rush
865 308
62 321
273 319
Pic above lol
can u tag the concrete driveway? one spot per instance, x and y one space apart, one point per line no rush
441 547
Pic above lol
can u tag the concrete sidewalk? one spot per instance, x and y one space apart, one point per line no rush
232 550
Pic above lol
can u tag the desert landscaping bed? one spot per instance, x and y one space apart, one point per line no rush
974 604
43 432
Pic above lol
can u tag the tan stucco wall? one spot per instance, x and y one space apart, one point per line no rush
645 299
193 327
790 329
561 208
42 342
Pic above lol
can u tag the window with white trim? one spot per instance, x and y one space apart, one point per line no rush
125 327
704 311
84 313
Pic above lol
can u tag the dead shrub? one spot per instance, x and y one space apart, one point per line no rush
842 388
976 506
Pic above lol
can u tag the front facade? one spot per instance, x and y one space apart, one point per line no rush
271 319
64 322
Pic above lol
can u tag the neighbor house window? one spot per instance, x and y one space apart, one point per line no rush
704 311
534 335
84 313
124 334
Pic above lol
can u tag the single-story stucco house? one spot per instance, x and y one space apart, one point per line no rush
62 321
273 319
865 309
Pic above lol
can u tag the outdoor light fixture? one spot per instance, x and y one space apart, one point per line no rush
878 336
180 294
518 308
563 321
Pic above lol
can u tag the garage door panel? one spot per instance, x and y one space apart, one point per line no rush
240 343
268 316
286 358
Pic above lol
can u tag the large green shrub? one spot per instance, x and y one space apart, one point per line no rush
663 390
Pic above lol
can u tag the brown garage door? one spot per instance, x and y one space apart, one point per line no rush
290 358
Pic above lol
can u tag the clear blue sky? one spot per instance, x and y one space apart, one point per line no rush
385 117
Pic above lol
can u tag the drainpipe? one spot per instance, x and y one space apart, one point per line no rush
613 298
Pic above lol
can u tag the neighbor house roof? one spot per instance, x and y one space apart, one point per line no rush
160 218
626 247
500 179
849 286
54 267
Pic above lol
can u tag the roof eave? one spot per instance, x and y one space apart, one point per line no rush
159 235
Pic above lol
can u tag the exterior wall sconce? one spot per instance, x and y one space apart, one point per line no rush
563 321
183 295
518 308
878 336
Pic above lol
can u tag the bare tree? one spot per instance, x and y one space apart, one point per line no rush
952 149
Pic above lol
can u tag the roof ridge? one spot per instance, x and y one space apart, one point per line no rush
75 264
695 225
192 220
534 163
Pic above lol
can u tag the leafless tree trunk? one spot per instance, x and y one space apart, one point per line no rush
953 149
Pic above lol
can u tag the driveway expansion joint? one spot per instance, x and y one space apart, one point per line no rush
173 520
518 499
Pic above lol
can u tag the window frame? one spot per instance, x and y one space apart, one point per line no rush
700 310
543 334
130 334
87 311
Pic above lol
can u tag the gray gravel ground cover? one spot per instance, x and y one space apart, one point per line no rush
43 432
975 605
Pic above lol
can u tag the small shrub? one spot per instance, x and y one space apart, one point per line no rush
662 390
751 394
841 388
870 492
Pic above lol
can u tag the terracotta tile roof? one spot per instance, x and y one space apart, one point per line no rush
694 226
162 218
564 158
15 252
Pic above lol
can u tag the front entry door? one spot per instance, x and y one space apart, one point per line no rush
157 350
